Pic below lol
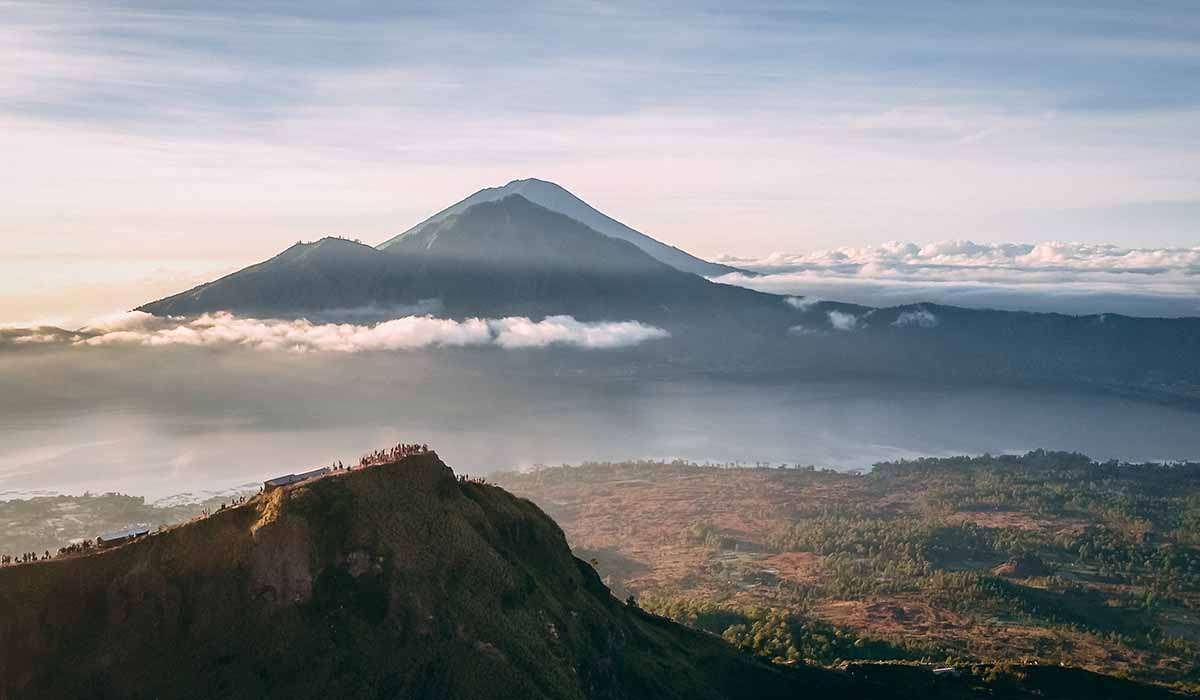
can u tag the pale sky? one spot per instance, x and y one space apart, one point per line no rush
148 146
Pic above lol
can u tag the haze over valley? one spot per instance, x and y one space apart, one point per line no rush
112 419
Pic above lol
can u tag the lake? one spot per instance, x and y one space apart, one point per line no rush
161 423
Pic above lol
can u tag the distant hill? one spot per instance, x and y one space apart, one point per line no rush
556 198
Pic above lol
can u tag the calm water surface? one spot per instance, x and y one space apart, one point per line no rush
160 423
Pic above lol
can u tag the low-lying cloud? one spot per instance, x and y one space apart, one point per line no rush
1076 278
842 321
801 303
220 330
920 318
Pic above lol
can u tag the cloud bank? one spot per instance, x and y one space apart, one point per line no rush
224 330
1075 278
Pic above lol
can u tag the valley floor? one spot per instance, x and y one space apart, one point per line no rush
1048 558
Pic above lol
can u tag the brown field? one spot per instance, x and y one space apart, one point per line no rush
1021 521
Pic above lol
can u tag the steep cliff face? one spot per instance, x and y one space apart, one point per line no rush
396 581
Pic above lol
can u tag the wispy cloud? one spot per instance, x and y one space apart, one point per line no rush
223 330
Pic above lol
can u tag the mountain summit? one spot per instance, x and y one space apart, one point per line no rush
556 198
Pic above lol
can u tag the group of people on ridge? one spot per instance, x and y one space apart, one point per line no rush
22 558
400 451
237 501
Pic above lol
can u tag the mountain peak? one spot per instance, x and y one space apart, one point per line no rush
533 181
557 198
328 247
330 272
518 234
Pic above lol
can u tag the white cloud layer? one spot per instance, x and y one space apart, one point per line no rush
220 330
1075 278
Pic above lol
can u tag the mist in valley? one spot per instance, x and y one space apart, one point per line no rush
163 421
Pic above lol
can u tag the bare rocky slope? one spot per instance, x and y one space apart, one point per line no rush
396 581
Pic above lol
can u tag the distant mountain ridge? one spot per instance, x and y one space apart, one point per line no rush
513 257
556 198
